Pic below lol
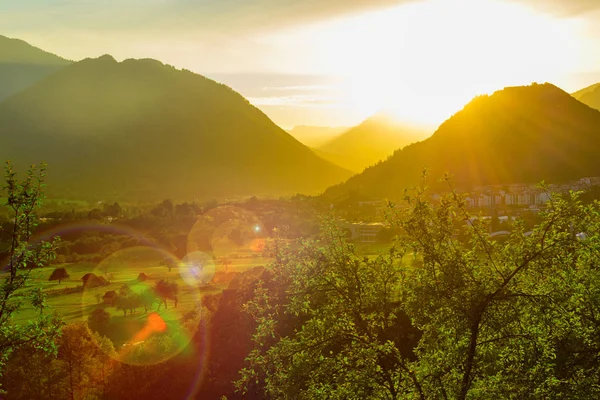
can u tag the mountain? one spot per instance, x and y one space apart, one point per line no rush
141 129
315 136
517 135
589 95
370 142
22 65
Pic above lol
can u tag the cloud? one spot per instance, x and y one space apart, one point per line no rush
227 17
295 101
562 8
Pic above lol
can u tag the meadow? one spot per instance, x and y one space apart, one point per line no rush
72 301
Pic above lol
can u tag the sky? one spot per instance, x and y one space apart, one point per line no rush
333 62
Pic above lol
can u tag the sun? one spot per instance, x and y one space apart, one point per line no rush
425 60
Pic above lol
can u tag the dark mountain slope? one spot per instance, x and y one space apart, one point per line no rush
519 134
140 128
22 65
589 95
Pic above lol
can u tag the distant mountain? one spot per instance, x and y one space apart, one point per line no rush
589 95
517 135
372 141
315 136
22 65
141 129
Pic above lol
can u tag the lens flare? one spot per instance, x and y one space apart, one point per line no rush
228 232
148 302
197 269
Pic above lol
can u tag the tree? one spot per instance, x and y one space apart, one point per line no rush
147 299
168 262
330 324
98 321
82 351
23 198
166 290
473 319
58 274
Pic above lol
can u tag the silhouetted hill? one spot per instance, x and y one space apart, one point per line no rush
517 135
315 136
143 129
22 65
372 141
589 95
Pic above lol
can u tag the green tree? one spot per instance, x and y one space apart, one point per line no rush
23 198
58 275
98 321
147 298
330 324
473 318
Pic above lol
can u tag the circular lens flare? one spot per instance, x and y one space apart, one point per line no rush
148 304
197 269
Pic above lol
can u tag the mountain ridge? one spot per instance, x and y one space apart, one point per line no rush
373 140
518 134
22 65
589 95
209 140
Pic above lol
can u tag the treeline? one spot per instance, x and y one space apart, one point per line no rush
91 236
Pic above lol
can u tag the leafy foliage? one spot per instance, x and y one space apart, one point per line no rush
463 316
23 198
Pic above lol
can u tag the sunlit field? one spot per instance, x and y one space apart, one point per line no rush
79 304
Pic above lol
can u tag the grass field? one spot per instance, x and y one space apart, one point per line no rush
73 303
122 269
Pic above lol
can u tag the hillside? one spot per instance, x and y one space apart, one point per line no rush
370 142
589 95
22 65
315 136
519 134
142 129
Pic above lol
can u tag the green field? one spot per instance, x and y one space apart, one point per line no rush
124 270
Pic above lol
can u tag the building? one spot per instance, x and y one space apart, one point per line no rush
473 201
364 232
110 297
510 199
524 198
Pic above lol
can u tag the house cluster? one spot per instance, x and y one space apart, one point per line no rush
522 194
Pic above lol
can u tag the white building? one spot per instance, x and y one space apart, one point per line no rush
364 232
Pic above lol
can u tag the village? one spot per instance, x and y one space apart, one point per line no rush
500 204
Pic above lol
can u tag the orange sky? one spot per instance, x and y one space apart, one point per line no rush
334 62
